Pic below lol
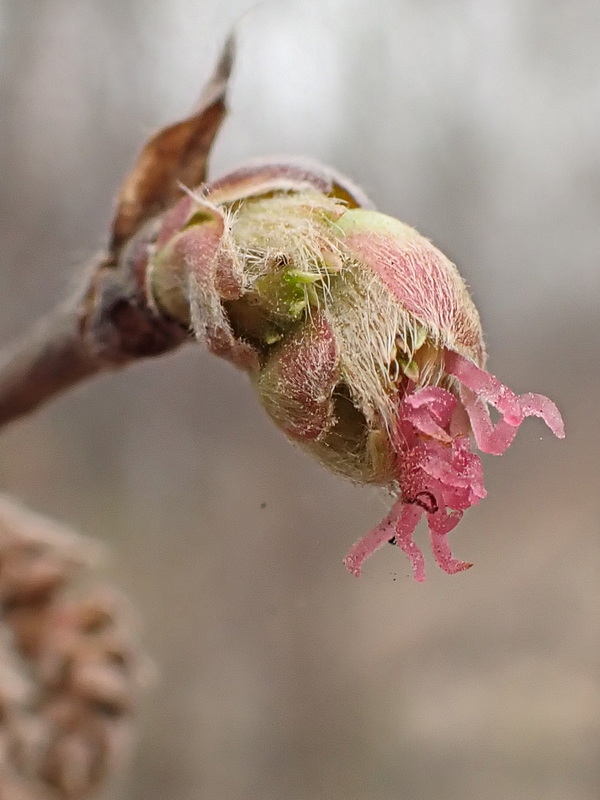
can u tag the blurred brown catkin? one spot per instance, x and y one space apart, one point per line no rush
70 669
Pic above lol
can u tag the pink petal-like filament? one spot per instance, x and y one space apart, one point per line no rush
437 472
480 388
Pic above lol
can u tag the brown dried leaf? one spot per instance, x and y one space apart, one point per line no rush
176 155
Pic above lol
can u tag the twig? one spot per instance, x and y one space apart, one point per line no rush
50 358
110 322
110 327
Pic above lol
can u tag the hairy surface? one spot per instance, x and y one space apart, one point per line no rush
359 335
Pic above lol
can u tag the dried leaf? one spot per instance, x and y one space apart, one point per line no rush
176 155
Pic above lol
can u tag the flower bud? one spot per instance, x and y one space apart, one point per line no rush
360 336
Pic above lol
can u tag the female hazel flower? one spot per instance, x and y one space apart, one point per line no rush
359 335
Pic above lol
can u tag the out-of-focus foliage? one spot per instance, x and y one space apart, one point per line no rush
477 123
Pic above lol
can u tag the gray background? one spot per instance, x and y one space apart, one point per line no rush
281 677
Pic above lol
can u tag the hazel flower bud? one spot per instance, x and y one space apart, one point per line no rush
359 335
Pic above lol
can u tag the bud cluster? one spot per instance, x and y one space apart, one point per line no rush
71 668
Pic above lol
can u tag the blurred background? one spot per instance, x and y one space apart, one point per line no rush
280 676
